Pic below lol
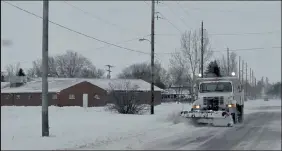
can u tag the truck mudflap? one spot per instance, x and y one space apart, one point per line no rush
215 118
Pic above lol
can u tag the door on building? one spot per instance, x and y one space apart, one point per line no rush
85 100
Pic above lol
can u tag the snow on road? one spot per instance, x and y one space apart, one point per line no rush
95 128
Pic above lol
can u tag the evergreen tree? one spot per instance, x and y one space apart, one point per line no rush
213 69
21 72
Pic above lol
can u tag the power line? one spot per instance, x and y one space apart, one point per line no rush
105 21
244 49
170 22
175 14
182 9
96 39
231 34
163 17
95 16
133 39
146 3
110 44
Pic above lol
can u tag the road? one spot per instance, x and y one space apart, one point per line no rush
260 131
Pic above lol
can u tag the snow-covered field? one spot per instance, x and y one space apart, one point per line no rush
95 128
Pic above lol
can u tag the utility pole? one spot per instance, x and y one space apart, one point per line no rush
109 71
246 80
45 120
239 68
255 88
250 76
152 55
228 64
242 77
202 50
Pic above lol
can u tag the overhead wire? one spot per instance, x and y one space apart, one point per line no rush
97 17
176 14
133 39
77 32
170 22
115 45
105 21
230 34
180 6
241 49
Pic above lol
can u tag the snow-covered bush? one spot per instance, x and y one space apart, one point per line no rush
124 99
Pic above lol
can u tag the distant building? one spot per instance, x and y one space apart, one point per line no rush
176 93
73 92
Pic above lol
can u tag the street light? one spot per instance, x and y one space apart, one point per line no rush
144 39
152 75
233 73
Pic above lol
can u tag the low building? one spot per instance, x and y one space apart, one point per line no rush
176 93
76 92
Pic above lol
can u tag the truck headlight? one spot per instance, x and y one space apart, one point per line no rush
231 105
196 106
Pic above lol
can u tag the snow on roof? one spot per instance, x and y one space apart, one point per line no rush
58 84
4 84
36 86
105 84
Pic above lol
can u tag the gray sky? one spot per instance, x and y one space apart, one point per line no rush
131 20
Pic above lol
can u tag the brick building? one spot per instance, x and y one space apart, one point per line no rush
75 92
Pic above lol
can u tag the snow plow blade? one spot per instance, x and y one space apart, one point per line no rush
215 118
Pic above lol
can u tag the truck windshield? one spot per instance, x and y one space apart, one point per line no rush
216 87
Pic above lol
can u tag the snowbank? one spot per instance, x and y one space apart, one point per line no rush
95 128
74 127
272 105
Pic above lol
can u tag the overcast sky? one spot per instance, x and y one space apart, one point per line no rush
227 23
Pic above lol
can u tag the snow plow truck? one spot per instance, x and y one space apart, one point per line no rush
219 102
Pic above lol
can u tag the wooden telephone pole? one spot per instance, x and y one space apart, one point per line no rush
152 55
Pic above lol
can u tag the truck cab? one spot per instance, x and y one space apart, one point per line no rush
220 94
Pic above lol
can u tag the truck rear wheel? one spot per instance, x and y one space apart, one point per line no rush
235 118
240 109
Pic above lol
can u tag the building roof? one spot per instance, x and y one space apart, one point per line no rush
36 86
58 84
5 84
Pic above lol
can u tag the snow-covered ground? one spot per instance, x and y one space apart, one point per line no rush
95 128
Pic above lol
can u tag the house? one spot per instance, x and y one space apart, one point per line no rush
176 93
75 92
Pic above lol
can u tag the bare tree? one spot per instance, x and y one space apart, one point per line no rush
188 58
124 97
143 71
69 65
92 72
12 69
36 70
232 65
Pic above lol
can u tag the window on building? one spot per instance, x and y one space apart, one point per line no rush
71 96
96 97
30 97
133 97
18 97
54 96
